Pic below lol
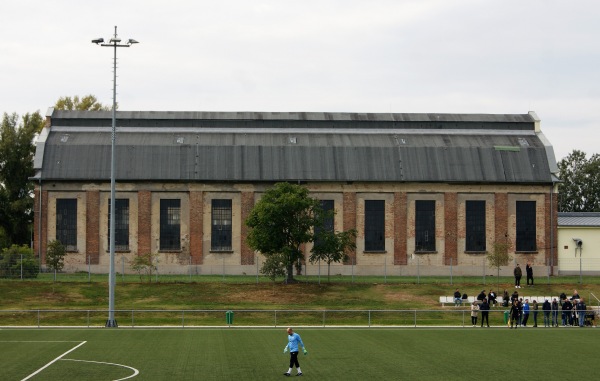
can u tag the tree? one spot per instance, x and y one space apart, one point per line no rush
16 167
332 246
499 257
281 221
86 103
580 189
144 264
55 256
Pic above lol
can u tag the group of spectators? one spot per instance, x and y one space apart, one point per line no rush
573 310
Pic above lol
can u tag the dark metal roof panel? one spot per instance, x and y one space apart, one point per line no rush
579 219
273 157
251 146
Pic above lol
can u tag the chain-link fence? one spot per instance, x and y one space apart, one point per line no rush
498 317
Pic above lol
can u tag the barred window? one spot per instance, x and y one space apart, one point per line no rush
221 225
424 225
526 226
327 206
170 224
374 225
121 224
66 222
475 226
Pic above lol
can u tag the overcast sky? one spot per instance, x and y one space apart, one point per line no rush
421 56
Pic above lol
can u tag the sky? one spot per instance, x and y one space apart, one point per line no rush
381 56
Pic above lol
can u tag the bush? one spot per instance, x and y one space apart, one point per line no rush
13 258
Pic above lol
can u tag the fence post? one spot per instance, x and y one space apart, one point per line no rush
415 318
369 318
323 318
451 263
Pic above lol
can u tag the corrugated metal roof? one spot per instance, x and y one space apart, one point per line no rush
583 219
374 147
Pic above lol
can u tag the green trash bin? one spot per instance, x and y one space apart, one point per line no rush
229 317
506 317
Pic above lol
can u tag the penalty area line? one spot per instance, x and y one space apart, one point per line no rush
135 371
53 361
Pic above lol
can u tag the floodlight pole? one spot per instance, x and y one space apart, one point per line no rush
114 43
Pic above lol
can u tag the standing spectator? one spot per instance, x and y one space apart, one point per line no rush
535 312
505 299
566 312
581 307
514 315
457 298
492 297
554 308
518 274
485 310
546 308
525 312
520 308
474 312
529 272
575 296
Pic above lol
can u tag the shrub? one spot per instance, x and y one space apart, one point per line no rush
15 258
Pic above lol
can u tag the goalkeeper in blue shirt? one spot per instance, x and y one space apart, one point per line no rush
294 342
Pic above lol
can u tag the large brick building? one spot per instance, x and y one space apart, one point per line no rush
442 188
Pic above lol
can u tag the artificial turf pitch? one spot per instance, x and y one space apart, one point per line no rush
334 354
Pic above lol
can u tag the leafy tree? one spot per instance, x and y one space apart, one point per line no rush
499 257
143 264
86 103
281 221
16 167
580 189
55 255
17 260
332 246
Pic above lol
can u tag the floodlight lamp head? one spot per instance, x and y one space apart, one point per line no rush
132 41
578 242
98 41
115 40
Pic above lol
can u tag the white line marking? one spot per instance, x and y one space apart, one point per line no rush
53 361
135 371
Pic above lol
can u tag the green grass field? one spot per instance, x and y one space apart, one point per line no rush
334 354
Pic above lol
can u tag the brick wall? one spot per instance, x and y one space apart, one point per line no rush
196 226
144 222
349 213
247 253
400 222
450 224
501 214
43 213
92 226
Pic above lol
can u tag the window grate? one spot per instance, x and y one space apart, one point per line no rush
526 226
170 224
475 225
424 225
374 225
221 225
121 224
66 222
